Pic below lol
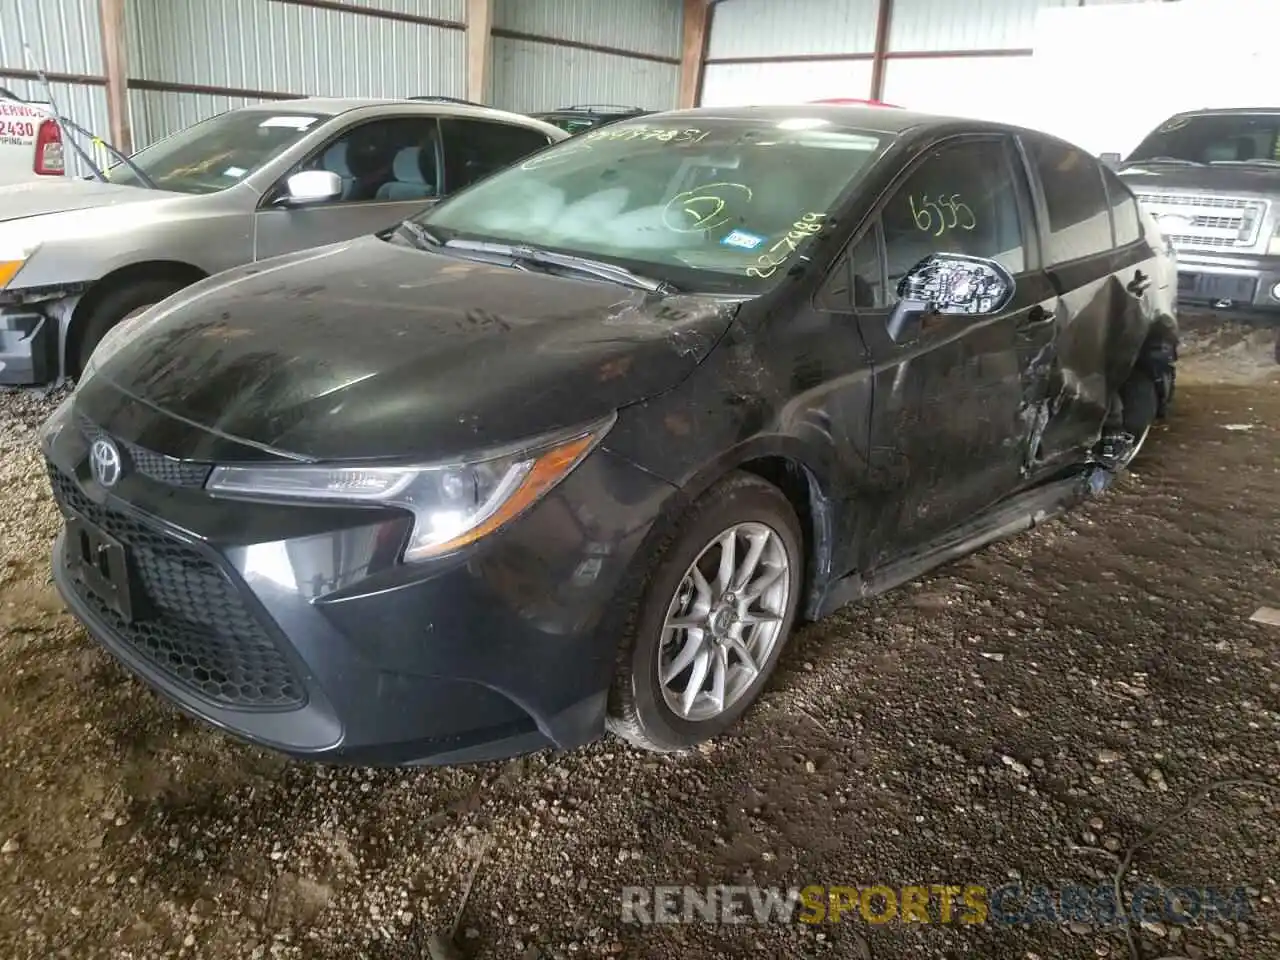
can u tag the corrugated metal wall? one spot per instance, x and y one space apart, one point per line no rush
755 29
995 84
824 48
531 74
283 48
64 38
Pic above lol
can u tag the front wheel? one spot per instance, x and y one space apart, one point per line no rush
713 620
115 307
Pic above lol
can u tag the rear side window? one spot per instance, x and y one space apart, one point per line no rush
473 149
1079 213
1124 210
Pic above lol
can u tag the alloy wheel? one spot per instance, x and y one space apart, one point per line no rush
724 621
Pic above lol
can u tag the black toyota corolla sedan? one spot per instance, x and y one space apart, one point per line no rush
577 448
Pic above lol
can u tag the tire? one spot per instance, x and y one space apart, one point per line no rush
115 306
644 711
1141 406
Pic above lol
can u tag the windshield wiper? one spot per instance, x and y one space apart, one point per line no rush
1259 162
421 236
525 256
1178 160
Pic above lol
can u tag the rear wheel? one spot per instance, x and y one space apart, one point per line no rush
114 307
713 620
1140 406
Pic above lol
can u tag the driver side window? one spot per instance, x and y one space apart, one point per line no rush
960 199
383 160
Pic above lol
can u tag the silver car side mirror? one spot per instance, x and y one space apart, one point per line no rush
311 186
949 284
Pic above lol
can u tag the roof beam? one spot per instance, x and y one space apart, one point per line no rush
479 49
693 50
880 55
115 61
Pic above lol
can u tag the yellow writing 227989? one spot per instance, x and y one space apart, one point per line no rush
939 903
767 263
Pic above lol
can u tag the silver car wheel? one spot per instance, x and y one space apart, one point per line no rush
724 621
1132 455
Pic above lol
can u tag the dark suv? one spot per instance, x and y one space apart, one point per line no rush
576 120
1211 178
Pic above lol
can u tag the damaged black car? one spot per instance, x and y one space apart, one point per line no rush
577 448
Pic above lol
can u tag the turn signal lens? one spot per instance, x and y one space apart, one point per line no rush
12 259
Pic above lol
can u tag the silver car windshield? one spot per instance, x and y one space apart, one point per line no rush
219 152
716 204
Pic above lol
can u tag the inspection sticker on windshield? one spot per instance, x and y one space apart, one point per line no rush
743 240
294 122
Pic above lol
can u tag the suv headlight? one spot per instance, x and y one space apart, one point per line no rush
453 504
13 257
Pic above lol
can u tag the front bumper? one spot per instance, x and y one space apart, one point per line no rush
28 347
1229 281
296 628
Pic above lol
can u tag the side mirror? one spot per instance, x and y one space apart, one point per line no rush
1110 159
310 186
949 284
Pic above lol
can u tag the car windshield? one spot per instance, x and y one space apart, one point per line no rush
217 153
715 204
1214 138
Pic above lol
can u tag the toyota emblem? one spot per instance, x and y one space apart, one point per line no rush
104 460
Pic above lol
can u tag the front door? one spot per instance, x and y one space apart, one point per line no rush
390 170
948 428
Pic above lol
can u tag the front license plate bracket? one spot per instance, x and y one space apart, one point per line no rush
100 562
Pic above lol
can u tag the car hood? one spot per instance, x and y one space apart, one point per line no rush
1262 182
60 195
369 349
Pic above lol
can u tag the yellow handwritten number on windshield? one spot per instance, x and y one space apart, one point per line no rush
767 263
943 214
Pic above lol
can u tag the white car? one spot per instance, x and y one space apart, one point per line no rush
30 141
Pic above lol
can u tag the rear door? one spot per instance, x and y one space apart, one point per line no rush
391 169
948 434
1098 265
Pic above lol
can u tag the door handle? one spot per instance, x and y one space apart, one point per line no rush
1038 316
1139 284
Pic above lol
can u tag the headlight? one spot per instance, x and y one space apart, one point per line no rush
453 505
12 259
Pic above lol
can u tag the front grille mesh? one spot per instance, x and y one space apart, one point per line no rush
195 628
1206 222
176 473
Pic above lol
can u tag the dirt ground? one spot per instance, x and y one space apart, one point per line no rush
1022 714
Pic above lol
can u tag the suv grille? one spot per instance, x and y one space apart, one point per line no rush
1195 222
176 473
199 632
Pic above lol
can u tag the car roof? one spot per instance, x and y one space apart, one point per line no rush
874 119
1213 111
333 106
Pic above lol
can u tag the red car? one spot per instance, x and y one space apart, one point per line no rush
864 103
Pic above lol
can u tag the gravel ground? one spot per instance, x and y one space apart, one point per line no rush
1021 714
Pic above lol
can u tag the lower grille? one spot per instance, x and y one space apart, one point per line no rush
198 630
